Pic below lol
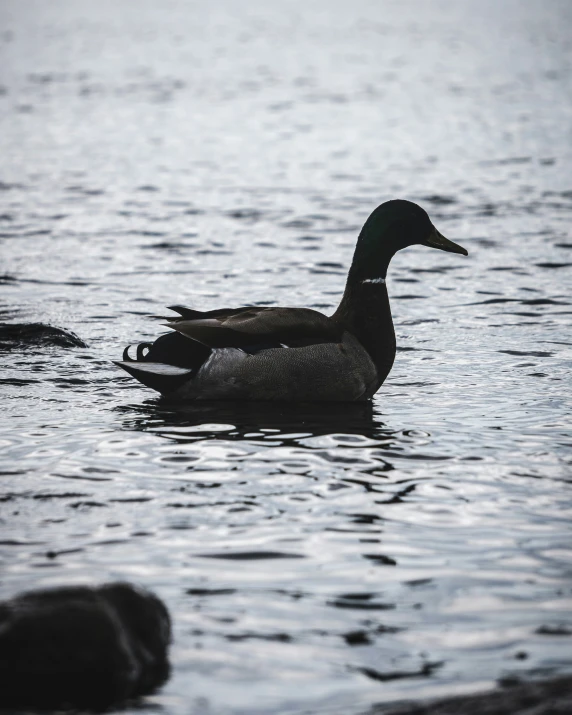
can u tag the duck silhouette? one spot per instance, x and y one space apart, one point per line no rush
293 354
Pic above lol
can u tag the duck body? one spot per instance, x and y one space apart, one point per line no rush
292 354
302 356
322 372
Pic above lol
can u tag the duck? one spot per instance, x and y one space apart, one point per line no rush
282 354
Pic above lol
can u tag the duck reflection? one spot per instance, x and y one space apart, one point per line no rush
355 444
263 419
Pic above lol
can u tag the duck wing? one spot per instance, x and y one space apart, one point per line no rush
257 328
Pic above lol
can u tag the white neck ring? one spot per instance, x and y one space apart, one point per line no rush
374 280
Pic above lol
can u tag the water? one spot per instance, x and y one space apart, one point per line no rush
314 561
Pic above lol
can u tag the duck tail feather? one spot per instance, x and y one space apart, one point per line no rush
141 355
156 375
185 313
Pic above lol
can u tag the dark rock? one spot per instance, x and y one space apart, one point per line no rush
82 647
15 335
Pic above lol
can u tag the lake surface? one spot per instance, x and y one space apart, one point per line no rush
315 560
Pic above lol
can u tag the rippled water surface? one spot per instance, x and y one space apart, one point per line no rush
314 560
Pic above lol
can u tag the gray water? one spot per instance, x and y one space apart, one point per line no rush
221 154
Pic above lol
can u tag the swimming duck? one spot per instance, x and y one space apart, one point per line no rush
293 354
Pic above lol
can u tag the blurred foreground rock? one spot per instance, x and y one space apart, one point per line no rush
82 647
547 697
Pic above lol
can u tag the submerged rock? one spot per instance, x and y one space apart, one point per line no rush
15 335
82 647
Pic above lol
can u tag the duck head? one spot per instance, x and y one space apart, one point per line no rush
394 225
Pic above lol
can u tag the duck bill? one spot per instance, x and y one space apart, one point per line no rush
437 240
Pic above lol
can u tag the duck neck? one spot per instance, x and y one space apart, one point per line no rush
365 312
